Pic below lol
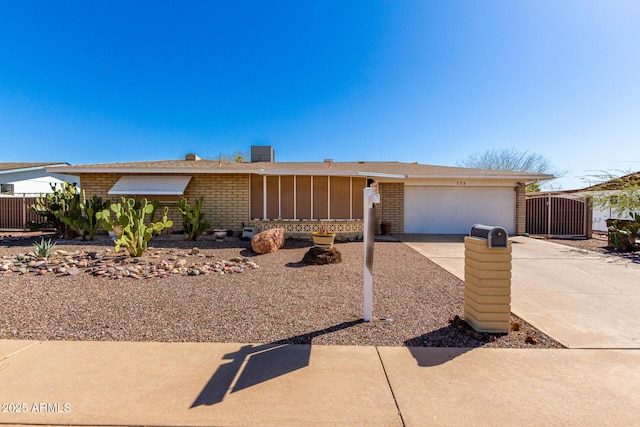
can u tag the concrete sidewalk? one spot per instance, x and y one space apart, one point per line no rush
582 299
193 384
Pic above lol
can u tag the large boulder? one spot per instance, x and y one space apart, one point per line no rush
268 241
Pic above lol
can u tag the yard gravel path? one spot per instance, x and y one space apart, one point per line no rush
284 301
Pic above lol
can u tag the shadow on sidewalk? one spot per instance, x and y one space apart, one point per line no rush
255 364
434 356
437 347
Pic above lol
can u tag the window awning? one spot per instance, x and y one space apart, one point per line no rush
151 185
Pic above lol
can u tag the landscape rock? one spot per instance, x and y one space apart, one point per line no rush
268 241
320 256
103 264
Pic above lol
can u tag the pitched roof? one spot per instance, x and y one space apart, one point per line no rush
386 169
612 184
14 166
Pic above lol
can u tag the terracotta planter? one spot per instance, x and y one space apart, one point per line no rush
385 228
323 240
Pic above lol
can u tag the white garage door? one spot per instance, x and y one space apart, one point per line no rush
454 210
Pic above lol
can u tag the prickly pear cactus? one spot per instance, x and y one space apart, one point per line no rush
81 215
193 218
60 208
129 225
91 209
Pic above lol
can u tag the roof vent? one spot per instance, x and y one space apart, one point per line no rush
328 160
264 153
191 157
361 162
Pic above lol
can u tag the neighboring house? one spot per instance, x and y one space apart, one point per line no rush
20 184
415 198
30 178
607 188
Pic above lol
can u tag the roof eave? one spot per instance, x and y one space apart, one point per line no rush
526 177
324 172
260 171
186 171
180 171
33 168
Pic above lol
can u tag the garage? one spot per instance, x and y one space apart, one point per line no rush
454 210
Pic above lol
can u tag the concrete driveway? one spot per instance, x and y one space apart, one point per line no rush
582 299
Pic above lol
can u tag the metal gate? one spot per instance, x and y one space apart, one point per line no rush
558 215
14 212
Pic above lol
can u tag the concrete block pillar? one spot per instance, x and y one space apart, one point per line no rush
487 286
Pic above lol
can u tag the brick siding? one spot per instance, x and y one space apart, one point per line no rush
225 205
391 206
521 210
226 199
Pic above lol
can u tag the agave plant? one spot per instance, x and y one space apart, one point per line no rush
43 249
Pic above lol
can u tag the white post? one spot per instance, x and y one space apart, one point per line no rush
371 196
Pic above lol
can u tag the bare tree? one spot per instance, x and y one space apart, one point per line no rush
236 157
509 159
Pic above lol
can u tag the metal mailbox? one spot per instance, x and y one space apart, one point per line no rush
497 237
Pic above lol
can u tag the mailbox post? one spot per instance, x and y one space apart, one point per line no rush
371 196
487 279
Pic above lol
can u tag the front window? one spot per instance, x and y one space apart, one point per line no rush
6 188
305 197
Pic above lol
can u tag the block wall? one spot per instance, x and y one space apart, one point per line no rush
487 286
226 197
391 206
521 209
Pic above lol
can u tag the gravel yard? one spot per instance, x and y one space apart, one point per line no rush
281 301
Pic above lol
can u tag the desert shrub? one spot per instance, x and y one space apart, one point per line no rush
623 235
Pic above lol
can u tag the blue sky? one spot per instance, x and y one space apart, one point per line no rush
426 81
